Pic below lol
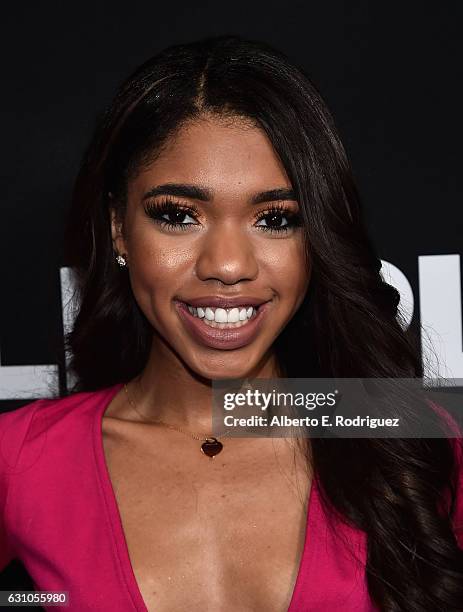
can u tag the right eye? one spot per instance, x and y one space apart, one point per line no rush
174 212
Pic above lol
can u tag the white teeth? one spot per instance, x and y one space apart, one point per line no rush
209 314
234 315
222 315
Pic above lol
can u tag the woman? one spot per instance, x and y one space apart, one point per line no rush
217 233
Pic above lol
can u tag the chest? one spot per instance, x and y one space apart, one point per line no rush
204 534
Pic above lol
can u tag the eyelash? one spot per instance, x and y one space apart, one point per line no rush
156 210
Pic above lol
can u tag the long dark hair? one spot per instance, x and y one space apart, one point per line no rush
347 326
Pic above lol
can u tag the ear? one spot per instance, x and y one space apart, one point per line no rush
119 243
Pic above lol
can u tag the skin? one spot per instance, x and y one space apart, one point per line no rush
235 162
255 486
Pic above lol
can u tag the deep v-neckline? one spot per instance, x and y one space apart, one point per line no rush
120 547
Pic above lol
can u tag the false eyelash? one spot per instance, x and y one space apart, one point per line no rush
294 219
156 210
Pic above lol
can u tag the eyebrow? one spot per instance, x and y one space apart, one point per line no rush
206 195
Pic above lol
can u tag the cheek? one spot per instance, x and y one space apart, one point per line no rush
157 268
284 265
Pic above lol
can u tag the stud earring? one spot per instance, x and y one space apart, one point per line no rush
121 260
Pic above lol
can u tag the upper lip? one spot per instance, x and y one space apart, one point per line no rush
225 302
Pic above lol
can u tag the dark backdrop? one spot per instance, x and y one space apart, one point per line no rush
391 74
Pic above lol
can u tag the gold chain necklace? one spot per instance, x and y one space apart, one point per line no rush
210 446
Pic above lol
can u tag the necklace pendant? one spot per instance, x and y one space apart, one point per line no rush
211 447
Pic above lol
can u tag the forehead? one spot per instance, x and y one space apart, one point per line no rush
230 156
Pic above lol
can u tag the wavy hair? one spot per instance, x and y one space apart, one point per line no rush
347 326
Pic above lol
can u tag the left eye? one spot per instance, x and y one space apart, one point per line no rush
276 218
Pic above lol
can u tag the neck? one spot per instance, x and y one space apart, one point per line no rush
168 390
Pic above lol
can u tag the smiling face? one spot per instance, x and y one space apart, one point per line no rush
214 216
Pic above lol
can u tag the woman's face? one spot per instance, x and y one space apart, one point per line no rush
215 183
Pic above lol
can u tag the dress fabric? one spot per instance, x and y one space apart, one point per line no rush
59 516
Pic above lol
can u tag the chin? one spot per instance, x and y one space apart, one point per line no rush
226 367
223 373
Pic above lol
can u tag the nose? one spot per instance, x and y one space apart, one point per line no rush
228 255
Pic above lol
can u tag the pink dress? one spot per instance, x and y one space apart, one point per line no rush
59 516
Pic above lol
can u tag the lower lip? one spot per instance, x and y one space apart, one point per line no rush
225 339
